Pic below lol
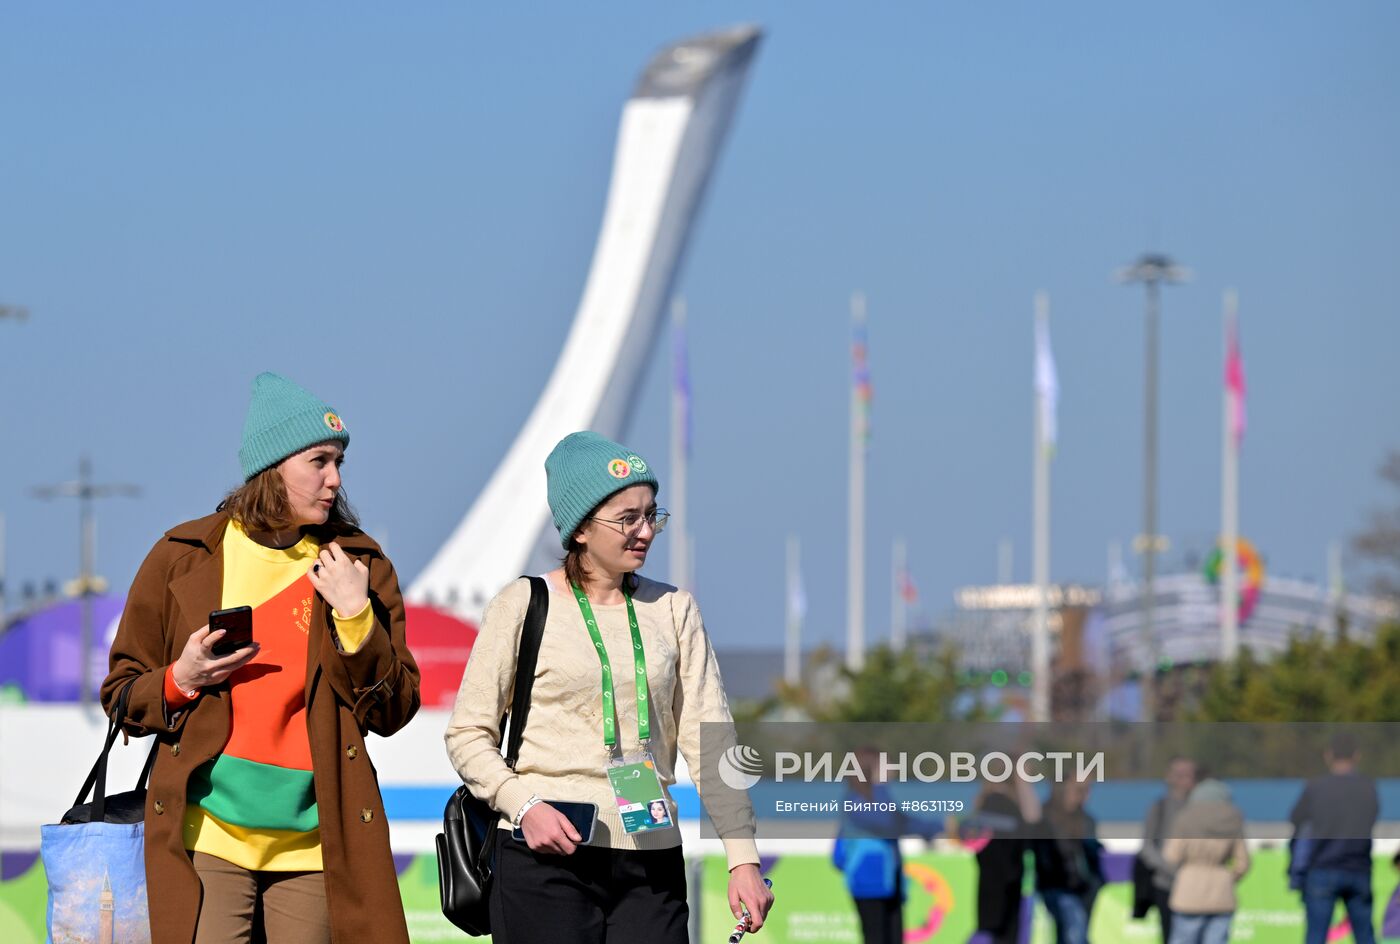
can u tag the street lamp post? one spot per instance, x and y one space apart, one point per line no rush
18 313
88 583
1152 270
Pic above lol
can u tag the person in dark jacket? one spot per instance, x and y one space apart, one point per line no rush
1068 874
1181 776
1334 817
997 832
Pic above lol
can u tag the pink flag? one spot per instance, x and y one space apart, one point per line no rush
908 592
1234 383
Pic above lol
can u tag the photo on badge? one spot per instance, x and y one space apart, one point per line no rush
640 801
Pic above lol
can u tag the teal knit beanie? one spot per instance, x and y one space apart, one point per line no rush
583 471
283 419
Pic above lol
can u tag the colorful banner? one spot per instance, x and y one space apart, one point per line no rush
812 904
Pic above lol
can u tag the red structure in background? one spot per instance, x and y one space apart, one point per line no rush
440 642
40 652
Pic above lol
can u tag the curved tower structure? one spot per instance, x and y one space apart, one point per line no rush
670 136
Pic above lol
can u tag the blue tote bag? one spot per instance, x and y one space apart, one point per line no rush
94 859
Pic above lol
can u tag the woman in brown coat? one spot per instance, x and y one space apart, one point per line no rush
263 795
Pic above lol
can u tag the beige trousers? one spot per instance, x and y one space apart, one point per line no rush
245 907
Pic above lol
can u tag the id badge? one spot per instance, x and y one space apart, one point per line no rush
640 800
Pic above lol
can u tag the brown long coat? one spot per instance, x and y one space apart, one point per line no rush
374 689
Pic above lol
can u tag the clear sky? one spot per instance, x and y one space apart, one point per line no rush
396 206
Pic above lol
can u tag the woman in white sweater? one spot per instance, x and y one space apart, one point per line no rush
603 728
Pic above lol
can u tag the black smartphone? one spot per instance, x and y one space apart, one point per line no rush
581 815
237 624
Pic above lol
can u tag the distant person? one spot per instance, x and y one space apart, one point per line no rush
1207 849
867 850
1002 813
1337 813
1068 873
1180 778
264 811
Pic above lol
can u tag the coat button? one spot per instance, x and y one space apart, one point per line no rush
352 752
175 750
366 815
159 807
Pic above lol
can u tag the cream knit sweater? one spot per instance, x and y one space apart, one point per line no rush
562 755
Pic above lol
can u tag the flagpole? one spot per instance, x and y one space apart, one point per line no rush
1229 494
1040 630
680 408
792 656
2 573
855 546
899 622
1336 589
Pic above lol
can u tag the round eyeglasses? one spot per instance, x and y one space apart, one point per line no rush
630 524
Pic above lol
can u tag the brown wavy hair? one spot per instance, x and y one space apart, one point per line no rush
261 504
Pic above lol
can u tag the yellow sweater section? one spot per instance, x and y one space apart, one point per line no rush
562 755
253 573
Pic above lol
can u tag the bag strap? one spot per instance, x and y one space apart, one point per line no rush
530 635
97 778
150 763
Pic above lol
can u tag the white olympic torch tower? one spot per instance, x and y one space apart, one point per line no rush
671 132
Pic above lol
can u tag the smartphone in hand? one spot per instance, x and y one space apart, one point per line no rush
581 815
237 623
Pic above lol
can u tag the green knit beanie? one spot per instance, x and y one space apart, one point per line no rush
283 419
583 471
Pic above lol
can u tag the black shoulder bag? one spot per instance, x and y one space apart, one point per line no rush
128 807
467 844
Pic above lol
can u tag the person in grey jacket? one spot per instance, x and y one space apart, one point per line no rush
1208 851
1181 776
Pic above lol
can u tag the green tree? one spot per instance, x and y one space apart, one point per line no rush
901 686
1313 679
1380 542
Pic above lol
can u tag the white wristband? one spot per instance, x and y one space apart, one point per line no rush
525 808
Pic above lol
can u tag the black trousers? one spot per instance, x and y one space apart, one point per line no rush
595 896
881 920
1160 897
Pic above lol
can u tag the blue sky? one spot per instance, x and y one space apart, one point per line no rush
397 208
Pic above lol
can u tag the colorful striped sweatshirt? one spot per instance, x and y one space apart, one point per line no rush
255 804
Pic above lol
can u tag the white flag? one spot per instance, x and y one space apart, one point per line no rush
1047 384
797 596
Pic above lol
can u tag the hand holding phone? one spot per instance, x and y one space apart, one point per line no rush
203 663
237 624
550 823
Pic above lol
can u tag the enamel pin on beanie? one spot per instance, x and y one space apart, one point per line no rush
283 419
583 470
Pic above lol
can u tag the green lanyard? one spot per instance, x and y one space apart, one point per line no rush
639 658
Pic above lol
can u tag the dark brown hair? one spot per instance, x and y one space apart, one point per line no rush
260 504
